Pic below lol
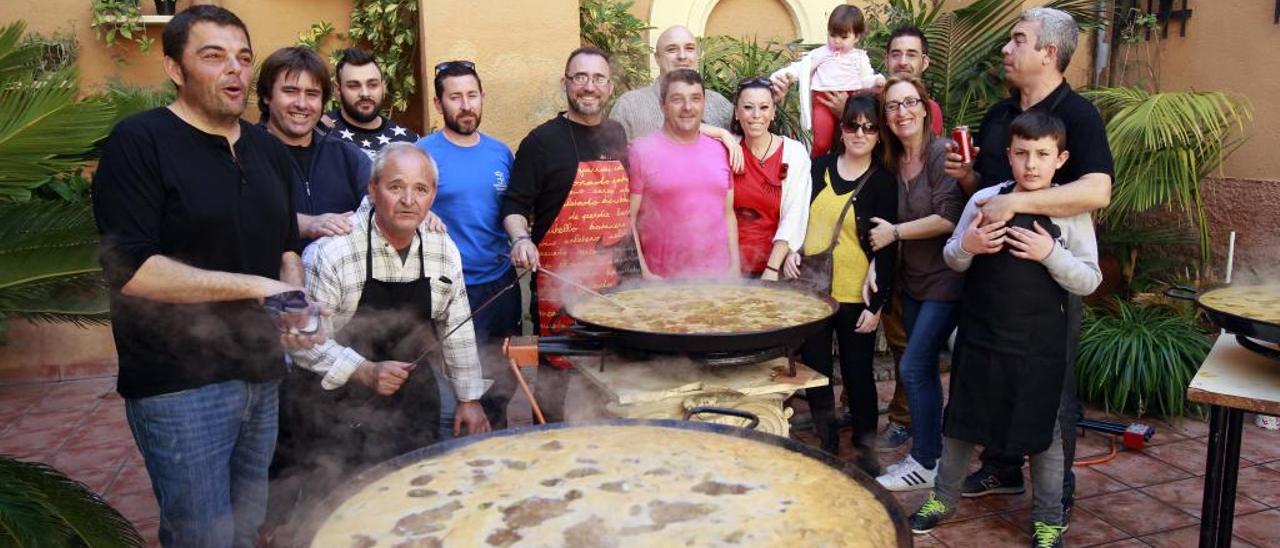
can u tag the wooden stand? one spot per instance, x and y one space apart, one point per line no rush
667 389
1232 380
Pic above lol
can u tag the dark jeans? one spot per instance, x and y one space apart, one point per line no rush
856 353
207 450
928 324
1069 412
492 325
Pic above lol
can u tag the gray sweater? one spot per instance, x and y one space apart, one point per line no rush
1073 263
640 111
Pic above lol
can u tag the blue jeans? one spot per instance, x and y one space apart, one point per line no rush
928 324
207 450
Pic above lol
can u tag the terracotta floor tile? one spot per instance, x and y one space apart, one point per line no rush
1188 495
38 420
1090 482
1260 483
25 444
96 479
1126 543
1258 444
1007 503
968 508
1187 426
1092 444
133 474
1086 528
1187 537
1136 513
987 532
104 433
150 532
136 506
927 541
1262 528
1136 469
1189 455
86 457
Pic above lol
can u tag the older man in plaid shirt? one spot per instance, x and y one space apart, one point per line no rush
392 288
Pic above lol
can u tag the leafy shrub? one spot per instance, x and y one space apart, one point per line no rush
1139 358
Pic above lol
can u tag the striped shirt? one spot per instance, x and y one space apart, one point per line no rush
335 276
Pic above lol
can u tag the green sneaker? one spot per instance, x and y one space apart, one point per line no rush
1046 535
929 515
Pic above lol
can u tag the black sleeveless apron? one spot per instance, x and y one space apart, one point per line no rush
353 425
1007 380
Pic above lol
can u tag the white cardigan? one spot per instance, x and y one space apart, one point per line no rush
797 188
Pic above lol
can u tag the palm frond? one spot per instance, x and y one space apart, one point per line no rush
17 62
46 240
44 131
1164 144
40 506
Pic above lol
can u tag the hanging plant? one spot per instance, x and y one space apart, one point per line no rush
390 30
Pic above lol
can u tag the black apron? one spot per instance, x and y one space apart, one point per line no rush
1007 379
353 425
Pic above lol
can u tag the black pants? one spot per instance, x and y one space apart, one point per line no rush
856 353
1069 412
492 325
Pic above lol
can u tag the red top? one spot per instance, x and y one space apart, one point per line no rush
757 203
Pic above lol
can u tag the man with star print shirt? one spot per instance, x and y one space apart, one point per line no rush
361 91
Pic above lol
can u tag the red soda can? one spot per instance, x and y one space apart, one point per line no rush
964 143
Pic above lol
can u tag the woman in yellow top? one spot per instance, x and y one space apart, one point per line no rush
851 177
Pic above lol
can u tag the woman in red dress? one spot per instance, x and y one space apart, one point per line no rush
771 193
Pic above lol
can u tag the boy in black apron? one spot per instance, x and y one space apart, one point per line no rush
1007 381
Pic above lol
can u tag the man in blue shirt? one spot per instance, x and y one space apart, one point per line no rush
474 170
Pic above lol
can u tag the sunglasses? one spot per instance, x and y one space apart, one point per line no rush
755 82
867 128
465 65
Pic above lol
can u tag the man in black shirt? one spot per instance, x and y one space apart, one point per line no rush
568 175
1035 58
197 229
331 176
361 90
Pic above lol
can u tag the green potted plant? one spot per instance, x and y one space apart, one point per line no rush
113 20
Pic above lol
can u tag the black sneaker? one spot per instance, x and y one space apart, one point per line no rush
930 514
985 482
1046 535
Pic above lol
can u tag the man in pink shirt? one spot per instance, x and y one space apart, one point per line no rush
682 191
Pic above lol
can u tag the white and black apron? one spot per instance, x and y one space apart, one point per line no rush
353 423
1007 381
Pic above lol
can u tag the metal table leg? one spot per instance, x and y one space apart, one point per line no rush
1218 511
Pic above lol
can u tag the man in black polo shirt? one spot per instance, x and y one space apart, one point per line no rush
197 227
1035 58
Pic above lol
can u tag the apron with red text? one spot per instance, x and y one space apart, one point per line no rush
583 242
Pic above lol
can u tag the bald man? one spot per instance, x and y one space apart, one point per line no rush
639 110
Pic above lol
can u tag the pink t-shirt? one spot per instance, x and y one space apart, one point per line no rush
681 221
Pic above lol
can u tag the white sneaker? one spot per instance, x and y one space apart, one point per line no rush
907 475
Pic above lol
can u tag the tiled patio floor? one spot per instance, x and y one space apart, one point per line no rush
1137 499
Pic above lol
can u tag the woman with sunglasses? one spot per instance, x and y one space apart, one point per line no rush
771 192
849 189
929 205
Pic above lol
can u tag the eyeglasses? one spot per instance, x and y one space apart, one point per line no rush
465 65
581 79
867 128
755 82
909 102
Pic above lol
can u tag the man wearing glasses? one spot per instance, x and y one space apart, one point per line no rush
640 110
361 91
474 171
569 177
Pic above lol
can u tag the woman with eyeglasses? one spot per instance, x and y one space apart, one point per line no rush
929 205
771 192
849 189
